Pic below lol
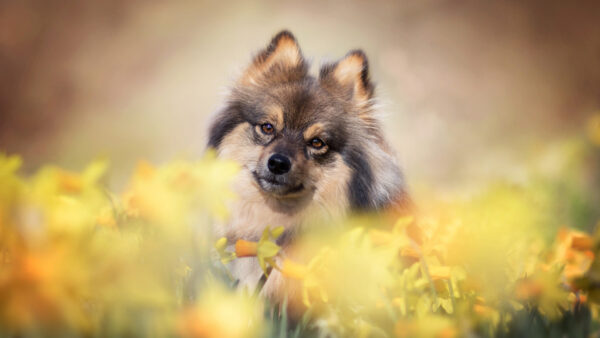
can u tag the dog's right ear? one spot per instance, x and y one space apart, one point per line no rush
281 60
349 76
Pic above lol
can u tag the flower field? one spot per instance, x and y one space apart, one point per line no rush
509 260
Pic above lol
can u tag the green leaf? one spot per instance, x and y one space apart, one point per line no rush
261 262
284 318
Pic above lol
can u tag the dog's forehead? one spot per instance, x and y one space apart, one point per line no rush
304 103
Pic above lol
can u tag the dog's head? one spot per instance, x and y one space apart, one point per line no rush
299 135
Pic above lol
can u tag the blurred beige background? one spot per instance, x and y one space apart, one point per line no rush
471 89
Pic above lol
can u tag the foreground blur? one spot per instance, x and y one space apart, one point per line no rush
77 259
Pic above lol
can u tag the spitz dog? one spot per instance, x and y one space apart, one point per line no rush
307 146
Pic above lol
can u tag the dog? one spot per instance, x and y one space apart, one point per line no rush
309 146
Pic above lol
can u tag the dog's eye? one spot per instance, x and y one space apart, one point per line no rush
317 143
267 128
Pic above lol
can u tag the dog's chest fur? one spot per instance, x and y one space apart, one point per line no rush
249 215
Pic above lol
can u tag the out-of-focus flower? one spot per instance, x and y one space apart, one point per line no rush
75 260
573 250
430 326
106 217
396 238
294 270
224 255
221 313
593 129
348 271
163 195
215 177
544 291
45 287
308 275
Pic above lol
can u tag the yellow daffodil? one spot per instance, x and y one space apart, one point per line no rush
265 249
221 313
224 255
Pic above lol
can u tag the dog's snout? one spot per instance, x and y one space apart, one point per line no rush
279 164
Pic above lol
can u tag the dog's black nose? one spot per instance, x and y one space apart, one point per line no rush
279 164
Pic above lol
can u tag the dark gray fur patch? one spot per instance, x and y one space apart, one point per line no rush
225 122
360 186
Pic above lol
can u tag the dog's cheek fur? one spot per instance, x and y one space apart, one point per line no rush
224 122
331 183
360 185
239 145
376 180
389 182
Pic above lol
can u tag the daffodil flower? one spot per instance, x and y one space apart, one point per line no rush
265 250
308 275
593 129
224 255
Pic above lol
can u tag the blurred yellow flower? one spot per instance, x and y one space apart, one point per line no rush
220 313
224 255
545 291
593 129
430 326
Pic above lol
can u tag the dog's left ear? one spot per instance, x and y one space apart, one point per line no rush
282 60
349 77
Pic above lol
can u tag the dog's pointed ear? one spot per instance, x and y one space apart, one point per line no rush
282 59
349 77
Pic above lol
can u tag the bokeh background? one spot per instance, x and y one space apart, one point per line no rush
471 90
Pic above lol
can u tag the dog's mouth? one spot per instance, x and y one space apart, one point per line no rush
277 187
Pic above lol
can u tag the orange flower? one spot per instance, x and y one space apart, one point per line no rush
439 272
106 218
144 170
448 332
293 270
578 298
405 328
574 252
582 242
409 252
379 237
245 248
528 289
69 182
483 310
196 323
